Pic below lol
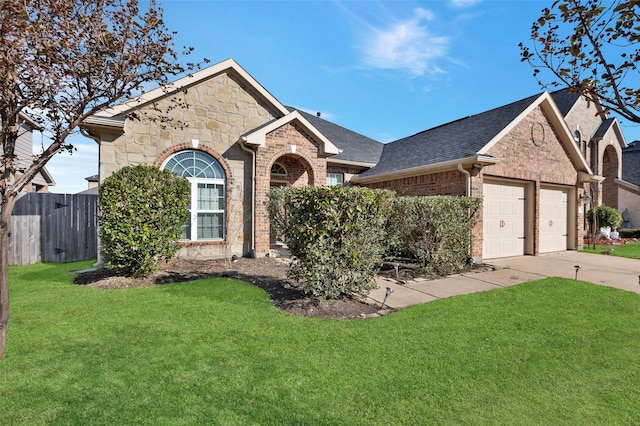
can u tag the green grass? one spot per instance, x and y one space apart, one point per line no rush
630 250
215 351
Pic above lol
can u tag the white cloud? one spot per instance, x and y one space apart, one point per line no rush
406 45
461 4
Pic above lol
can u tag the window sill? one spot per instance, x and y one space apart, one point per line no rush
202 243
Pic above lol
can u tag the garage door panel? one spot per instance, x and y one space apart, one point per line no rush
503 218
553 219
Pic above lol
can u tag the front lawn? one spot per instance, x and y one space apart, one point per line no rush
216 351
630 250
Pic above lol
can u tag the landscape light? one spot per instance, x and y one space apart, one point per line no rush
389 291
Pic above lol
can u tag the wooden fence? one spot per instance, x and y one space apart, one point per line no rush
54 228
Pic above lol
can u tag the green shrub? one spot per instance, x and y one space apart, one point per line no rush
141 212
335 234
435 230
606 216
629 233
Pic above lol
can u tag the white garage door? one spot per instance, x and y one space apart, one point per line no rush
553 219
503 219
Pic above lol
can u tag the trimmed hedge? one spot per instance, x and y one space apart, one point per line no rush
434 230
335 234
141 213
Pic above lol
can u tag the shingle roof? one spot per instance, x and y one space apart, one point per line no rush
355 147
603 128
455 140
565 99
631 163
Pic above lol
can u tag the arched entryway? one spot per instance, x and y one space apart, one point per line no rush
288 170
610 166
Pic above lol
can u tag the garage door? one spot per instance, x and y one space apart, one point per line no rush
503 219
553 219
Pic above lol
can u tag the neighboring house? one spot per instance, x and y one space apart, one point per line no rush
24 153
522 159
93 183
629 186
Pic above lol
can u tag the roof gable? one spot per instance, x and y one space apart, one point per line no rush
257 137
154 95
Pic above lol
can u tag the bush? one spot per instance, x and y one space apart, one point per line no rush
141 212
629 233
434 230
335 234
606 216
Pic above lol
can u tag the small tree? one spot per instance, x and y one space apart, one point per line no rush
591 47
606 216
142 210
335 234
62 61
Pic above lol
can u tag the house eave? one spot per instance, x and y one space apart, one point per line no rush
104 124
627 185
481 160
584 177
350 163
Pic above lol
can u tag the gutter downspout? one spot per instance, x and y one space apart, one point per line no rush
468 180
253 198
471 260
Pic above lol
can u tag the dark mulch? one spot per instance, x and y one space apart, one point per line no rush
267 273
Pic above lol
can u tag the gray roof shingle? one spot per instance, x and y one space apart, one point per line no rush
355 147
631 163
565 99
455 140
603 128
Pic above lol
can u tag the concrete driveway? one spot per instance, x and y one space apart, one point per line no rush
606 270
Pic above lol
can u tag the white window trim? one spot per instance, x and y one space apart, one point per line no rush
193 211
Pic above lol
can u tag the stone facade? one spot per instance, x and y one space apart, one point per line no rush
220 111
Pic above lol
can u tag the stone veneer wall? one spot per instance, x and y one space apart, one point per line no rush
220 110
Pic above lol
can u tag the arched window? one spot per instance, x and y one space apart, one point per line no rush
582 144
207 180
278 170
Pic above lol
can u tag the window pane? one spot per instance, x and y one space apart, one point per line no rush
209 225
334 179
210 196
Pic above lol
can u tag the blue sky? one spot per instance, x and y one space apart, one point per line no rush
386 69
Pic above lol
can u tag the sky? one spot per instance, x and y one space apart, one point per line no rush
385 69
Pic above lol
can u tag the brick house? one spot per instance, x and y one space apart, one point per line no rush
522 158
629 186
